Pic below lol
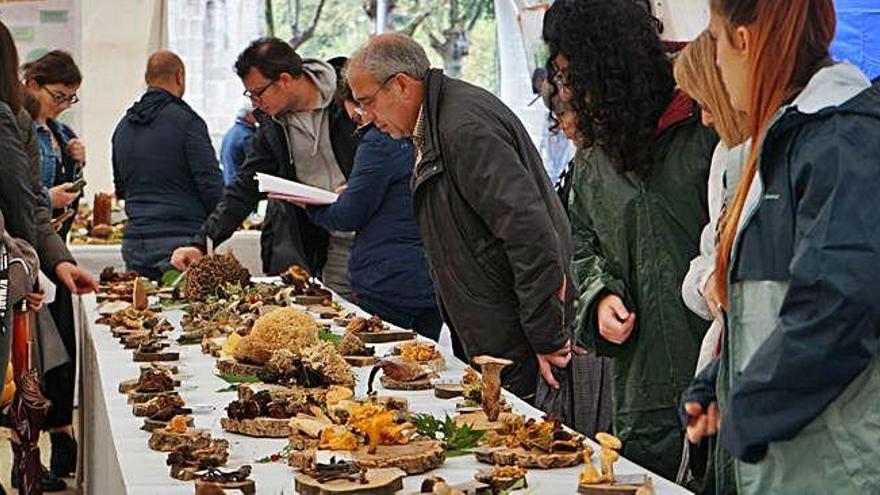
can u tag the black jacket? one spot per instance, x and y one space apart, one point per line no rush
288 236
17 198
164 167
495 233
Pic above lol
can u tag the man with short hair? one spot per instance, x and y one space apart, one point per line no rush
495 233
165 169
237 142
304 135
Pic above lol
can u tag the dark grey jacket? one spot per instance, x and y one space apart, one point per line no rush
495 233
50 246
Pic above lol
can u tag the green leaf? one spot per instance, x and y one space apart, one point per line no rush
171 276
230 388
330 337
234 379
458 439
184 340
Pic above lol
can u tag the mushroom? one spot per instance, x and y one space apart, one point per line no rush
608 441
589 476
490 368
607 458
139 295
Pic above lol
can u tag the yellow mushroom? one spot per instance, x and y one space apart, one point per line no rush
608 441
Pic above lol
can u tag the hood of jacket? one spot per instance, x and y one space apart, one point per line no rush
145 111
324 77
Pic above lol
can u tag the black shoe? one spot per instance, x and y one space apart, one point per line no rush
48 482
62 462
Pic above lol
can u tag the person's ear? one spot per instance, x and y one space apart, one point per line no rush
32 85
742 40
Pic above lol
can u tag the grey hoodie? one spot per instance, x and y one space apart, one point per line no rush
308 136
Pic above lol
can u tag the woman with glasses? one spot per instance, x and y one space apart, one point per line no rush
53 81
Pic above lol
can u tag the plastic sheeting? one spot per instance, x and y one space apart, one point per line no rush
858 34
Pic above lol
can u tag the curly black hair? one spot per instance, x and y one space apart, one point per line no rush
619 76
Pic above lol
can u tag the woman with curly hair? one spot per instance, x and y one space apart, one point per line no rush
637 206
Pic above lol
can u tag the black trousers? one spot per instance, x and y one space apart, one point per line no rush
58 383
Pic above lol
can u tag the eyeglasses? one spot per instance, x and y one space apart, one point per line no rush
59 97
364 103
258 93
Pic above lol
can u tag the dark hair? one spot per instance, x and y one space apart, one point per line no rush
10 86
31 105
271 56
619 76
55 67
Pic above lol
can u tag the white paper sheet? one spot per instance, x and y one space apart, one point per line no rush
294 191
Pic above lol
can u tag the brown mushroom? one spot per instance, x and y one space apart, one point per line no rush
490 368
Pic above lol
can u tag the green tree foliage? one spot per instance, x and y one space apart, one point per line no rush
344 25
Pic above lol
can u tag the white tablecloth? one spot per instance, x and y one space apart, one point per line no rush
244 243
117 459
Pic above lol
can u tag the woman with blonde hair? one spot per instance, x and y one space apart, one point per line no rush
797 383
697 75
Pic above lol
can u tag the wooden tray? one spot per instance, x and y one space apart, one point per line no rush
421 384
479 421
144 357
258 427
247 487
386 336
361 361
153 425
166 441
414 458
382 481
170 367
128 386
529 459
308 300
448 390
231 366
626 485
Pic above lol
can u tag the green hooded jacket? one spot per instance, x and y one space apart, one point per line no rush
635 236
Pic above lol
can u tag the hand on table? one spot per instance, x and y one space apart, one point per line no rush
184 256
615 321
77 280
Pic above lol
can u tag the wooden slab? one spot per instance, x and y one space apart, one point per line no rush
153 425
383 481
479 421
386 336
231 366
361 361
143 357
141 397
626 485
467 488
166 441
140 409
421 384
308 300
170 367
212 345
324 312
129 386
258 427
448 390
248 487
414 458
529 459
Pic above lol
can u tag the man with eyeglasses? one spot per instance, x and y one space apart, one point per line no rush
304 135
494 231
165 169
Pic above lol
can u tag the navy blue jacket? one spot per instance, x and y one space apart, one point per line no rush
234 148
387 261
164 167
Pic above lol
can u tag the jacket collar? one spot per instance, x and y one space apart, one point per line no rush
435 85
831 86
680 109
